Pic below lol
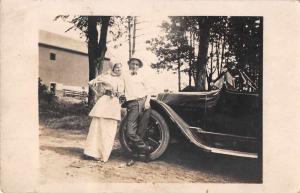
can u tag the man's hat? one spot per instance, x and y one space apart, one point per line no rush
140 61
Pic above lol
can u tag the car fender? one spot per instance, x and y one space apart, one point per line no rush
170 115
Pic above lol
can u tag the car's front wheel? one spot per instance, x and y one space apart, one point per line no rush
156 135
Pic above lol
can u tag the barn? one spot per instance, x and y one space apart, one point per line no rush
63 62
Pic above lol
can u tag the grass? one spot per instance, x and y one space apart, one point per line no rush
65 113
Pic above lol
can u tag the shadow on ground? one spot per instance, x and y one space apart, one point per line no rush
245 169
66 151
187 156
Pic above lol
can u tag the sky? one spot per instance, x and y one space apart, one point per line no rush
148 28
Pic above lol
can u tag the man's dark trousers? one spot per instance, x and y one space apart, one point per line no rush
133 110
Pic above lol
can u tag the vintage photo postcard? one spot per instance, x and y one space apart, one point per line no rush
138 96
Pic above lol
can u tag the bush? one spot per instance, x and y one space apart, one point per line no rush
64 112
52 106
44 93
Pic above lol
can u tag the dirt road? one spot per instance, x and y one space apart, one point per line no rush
61 151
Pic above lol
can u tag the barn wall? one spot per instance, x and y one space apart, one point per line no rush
69 68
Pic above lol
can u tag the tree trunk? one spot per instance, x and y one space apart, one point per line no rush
96 51
204 26
218 55
190 61
102 43
129 35
92 36
133 36
190 72
209 75
222 54
179 76
194 70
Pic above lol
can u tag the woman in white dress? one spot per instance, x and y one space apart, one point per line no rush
106 113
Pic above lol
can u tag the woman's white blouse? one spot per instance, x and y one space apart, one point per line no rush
106 106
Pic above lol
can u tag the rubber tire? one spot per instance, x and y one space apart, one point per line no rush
165 136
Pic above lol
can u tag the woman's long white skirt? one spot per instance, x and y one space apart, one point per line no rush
100 139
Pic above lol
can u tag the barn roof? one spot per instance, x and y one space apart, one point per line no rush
63 42
60 41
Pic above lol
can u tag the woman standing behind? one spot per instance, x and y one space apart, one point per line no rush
106 113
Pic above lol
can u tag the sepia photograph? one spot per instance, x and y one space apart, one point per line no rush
162 99
144 96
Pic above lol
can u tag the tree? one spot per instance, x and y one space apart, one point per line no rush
245 43
209 44
172 50
204 24
218 48
182 32
131 29
236 42
96 39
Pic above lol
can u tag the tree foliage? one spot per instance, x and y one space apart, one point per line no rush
245 40
173 50
207 45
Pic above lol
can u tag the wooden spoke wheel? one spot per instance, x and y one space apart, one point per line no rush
156 134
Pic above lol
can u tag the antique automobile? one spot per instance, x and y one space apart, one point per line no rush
221 121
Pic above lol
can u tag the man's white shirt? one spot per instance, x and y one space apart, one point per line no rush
135 87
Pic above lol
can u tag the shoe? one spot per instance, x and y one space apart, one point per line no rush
145 150
144 158
135 155
86 157
130 162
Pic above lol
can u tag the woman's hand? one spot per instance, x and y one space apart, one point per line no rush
92 87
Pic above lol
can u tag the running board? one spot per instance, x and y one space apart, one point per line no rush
232 152
226 151
199 130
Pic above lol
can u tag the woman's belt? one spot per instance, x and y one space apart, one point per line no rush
125 103
111 93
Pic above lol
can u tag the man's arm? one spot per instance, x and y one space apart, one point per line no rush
148 92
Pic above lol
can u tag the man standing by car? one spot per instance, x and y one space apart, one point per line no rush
135 93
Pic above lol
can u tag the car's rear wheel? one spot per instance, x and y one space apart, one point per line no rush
156 135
